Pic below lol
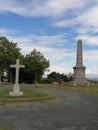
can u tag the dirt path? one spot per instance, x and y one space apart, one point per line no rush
72 111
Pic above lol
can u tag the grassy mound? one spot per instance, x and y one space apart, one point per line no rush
29 95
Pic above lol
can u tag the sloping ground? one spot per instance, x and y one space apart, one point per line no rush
71 111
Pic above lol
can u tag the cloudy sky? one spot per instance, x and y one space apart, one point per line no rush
53 28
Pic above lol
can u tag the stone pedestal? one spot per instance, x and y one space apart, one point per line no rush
16 91
79 76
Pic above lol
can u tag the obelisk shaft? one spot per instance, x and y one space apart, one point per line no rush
79 61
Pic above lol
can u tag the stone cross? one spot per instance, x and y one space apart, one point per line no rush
16 88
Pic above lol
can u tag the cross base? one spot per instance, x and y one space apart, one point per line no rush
16 93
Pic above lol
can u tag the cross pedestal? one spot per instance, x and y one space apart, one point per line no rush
16 88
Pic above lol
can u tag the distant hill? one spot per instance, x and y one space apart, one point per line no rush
93 79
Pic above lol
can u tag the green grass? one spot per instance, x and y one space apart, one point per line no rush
6 129
29 95
35 95
92 90
11 128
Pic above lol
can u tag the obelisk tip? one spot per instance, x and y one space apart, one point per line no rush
79 40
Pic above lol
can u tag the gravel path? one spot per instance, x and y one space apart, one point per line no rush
71 111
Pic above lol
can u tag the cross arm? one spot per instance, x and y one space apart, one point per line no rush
22 66
12 66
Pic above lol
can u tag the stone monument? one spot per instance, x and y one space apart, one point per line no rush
79 69
16 88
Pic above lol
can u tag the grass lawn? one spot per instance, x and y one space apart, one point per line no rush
36 95
11 128
92 90
29 95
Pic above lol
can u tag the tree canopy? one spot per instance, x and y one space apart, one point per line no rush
35 63
9 52
54 76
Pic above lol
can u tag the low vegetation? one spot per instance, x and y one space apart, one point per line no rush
29 95
10 128
93 90
36 95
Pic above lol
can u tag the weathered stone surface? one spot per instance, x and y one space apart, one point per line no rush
16 93
79 69
16 88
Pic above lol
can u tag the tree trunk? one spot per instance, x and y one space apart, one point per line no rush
0 79
36 79
10 77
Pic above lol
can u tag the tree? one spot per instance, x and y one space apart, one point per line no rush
70 76
54 76
35 65
9 52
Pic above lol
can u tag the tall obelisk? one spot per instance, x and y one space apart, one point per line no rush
79 69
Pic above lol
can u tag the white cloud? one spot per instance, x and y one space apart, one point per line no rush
41 39
90 18
88 21
85 21
53 54
64 13
91 57
59 57
44 8
30 42
61 68
89 39
5 31
52 46
85 30
65 23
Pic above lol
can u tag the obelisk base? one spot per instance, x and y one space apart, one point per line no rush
81 82
79 76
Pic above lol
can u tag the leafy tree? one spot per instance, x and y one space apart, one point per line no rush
54 76
70 76
9 52
35 65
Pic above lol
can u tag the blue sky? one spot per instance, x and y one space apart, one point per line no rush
53 28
